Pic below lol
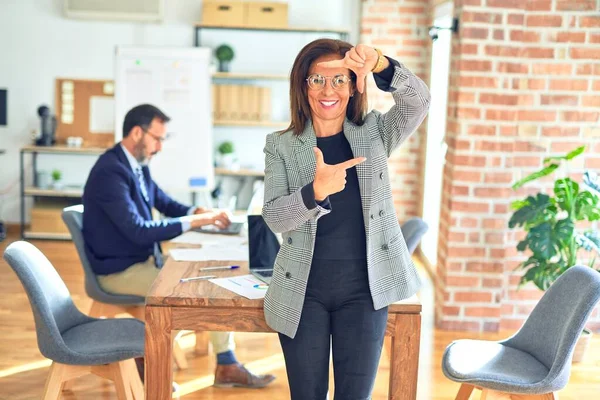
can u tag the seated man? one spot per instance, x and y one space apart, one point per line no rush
122 241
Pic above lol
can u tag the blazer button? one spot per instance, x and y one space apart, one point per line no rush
384 247
381 213
372 217
381 175
289 240
288 275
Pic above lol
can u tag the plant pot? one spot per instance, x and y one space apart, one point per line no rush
57 185
582 345
223 66
225 160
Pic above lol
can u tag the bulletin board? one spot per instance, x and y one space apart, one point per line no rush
86 109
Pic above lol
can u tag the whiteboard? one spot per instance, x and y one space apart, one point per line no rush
178 81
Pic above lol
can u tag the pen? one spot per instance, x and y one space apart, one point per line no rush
197 278
223 267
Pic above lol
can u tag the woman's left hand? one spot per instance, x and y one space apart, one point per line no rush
360 59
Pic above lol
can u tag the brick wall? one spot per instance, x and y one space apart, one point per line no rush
524 84
399 29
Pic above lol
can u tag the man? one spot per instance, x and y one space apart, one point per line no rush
122 241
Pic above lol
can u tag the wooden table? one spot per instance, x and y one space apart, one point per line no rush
204 306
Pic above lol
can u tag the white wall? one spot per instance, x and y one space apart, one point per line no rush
39 44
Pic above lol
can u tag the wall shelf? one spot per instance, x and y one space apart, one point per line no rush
253 76
59 149
34 191
239 172
46 235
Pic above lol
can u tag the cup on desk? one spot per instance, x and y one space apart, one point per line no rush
74 141
43 179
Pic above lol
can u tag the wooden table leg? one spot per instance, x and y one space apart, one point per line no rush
404 363
158 382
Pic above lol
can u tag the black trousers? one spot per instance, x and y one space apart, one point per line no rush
338 315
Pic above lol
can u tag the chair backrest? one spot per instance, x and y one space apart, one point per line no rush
73 218
553 327
413 230
51 302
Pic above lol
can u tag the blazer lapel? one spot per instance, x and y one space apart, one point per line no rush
304 154
358 137
145 208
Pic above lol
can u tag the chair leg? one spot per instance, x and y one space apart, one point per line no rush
488 394
58 375
202 340
464 392
547 396
120 374
178 354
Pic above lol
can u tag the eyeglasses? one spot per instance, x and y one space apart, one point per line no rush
160 139
317 82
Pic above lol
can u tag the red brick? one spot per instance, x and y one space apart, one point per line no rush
538 5
492 282
559 100
486 145
557 131
512 68
511 324
525 294
467 222
588 53
475 65
478 81
500 208
590 101
568 84
504 3
529 147
502 51
481 130
508 131
459 280
469 326
594 38
468 113
527 161
491 98
536 52
501 115
589 22
498 177
484 17
468 48
467 176
552 69
460 191
489 312
374 21
516 19
470 161
578 116
474 237
395 31
507 309
494 238
544 20
411 10
592 163
474 33
452 311
579 5
470 207
463 252
525 115
573 37
585 69
473 297
524 36
596 85
486 267
498 253
524 309
498 34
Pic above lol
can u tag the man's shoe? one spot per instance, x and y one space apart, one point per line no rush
236 375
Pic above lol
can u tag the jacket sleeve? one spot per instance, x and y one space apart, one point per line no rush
166 205
112 195
411 98
283 211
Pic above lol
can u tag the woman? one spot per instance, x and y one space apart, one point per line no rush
343 259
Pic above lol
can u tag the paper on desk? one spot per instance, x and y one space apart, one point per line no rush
211 253
244 285
207 239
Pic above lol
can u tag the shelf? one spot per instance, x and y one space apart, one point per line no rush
271 124
46 235
288 29
34 191
238 75
239 172
58 149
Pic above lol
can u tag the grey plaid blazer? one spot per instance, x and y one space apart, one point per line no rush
290 164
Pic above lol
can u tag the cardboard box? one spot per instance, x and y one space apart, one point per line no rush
223 13
264 14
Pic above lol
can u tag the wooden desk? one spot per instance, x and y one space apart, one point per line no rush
204 306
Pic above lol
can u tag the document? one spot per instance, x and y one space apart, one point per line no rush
244 285
207 239
211 253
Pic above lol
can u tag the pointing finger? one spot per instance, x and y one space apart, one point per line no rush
352 163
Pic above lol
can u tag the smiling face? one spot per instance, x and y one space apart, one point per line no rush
327 103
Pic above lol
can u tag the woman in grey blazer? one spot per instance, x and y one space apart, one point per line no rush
343 259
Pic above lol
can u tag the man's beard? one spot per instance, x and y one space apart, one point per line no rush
140 151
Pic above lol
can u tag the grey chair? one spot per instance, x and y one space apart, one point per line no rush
77 344
413 230
110 305
536 361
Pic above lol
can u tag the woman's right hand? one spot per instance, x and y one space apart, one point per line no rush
330 179
213 217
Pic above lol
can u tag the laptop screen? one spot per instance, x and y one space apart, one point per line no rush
263 245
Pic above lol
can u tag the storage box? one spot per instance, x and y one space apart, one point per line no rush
223 13
264 14
47 219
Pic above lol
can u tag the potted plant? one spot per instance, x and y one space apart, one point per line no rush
56 177
224 54
553 225
226 157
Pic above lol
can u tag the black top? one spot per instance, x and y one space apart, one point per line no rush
341 233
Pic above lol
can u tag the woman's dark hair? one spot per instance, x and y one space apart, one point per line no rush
299 106
142 116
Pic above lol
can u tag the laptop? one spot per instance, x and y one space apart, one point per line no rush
263 247
233 229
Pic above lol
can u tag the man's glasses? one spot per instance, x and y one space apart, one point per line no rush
160 139
317 82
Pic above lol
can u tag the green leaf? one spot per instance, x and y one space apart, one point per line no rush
565 190
543 241
569 156
522 246
590 241
538 209
515 205
563 231
536 175
540 272
586 207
